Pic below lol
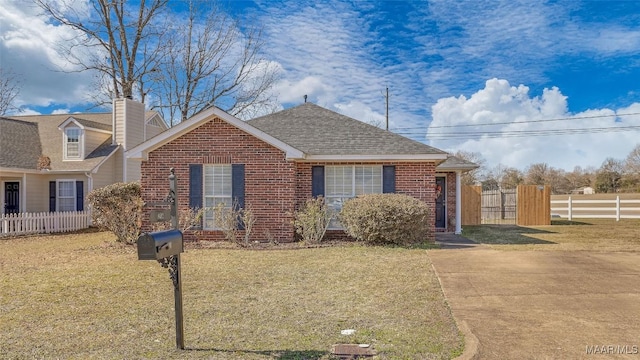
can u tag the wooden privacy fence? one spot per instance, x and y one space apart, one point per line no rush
534 205
41 223
601 206
471 197
526 205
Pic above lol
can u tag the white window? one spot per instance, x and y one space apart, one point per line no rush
66 198
217 190
345 182
72 143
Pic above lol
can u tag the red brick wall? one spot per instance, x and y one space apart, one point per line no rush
269 178
273 186
418 180
415 179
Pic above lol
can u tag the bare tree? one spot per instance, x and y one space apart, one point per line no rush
471 177
9 90
118 40
536 174
579 177
631 171
511 178
609 175
181 64
210 62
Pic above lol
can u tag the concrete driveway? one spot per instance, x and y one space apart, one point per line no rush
544 304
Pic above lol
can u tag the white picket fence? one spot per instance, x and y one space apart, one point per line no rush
43 223
600 209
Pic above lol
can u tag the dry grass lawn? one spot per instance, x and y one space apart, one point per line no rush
585 234
83 296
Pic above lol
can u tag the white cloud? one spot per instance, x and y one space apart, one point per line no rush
28 49
60 111
510 109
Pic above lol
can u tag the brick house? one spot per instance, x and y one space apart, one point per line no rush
275 162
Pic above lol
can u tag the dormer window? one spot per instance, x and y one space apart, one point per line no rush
72 143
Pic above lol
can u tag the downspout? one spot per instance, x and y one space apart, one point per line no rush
124 138
89 189
458 230
23 194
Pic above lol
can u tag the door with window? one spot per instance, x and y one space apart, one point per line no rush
441 203
11 197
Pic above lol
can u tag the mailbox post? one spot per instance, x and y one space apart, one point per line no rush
165 247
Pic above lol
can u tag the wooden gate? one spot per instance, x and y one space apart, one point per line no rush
471 200
534 205
499 206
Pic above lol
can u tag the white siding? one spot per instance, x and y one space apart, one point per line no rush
134 171
118 126
93 139
107 173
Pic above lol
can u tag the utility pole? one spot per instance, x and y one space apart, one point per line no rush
387 103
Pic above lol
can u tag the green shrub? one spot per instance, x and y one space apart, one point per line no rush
379 219
118 208
312 220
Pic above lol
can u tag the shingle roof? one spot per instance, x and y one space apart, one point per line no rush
93 124
19 144
319 131
456 163
49 137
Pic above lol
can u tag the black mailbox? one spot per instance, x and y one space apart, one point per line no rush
159 245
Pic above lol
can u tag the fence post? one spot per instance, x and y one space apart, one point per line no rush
617 207
569 206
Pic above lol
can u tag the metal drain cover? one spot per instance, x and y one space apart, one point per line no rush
353 351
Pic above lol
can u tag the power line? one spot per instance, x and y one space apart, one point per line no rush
516 122
520 133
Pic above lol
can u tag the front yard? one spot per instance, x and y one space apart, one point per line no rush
585 234
84 296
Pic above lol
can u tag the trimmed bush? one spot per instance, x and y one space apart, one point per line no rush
386 219
118 208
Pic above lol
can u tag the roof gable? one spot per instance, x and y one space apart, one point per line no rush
142 151
454 163
86 124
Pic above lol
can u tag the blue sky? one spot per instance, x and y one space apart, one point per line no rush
450 66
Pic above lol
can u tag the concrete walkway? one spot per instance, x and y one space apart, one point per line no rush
543 304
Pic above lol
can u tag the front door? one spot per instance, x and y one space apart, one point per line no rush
441 207
11 197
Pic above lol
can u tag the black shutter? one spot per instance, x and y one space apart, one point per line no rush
388 179
52 196
195 186
237 188
79 195
237 184
317 181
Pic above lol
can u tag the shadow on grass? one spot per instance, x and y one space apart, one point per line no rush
568 222
505 234
275 354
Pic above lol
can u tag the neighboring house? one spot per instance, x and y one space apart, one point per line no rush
275 162
587 190
51 162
